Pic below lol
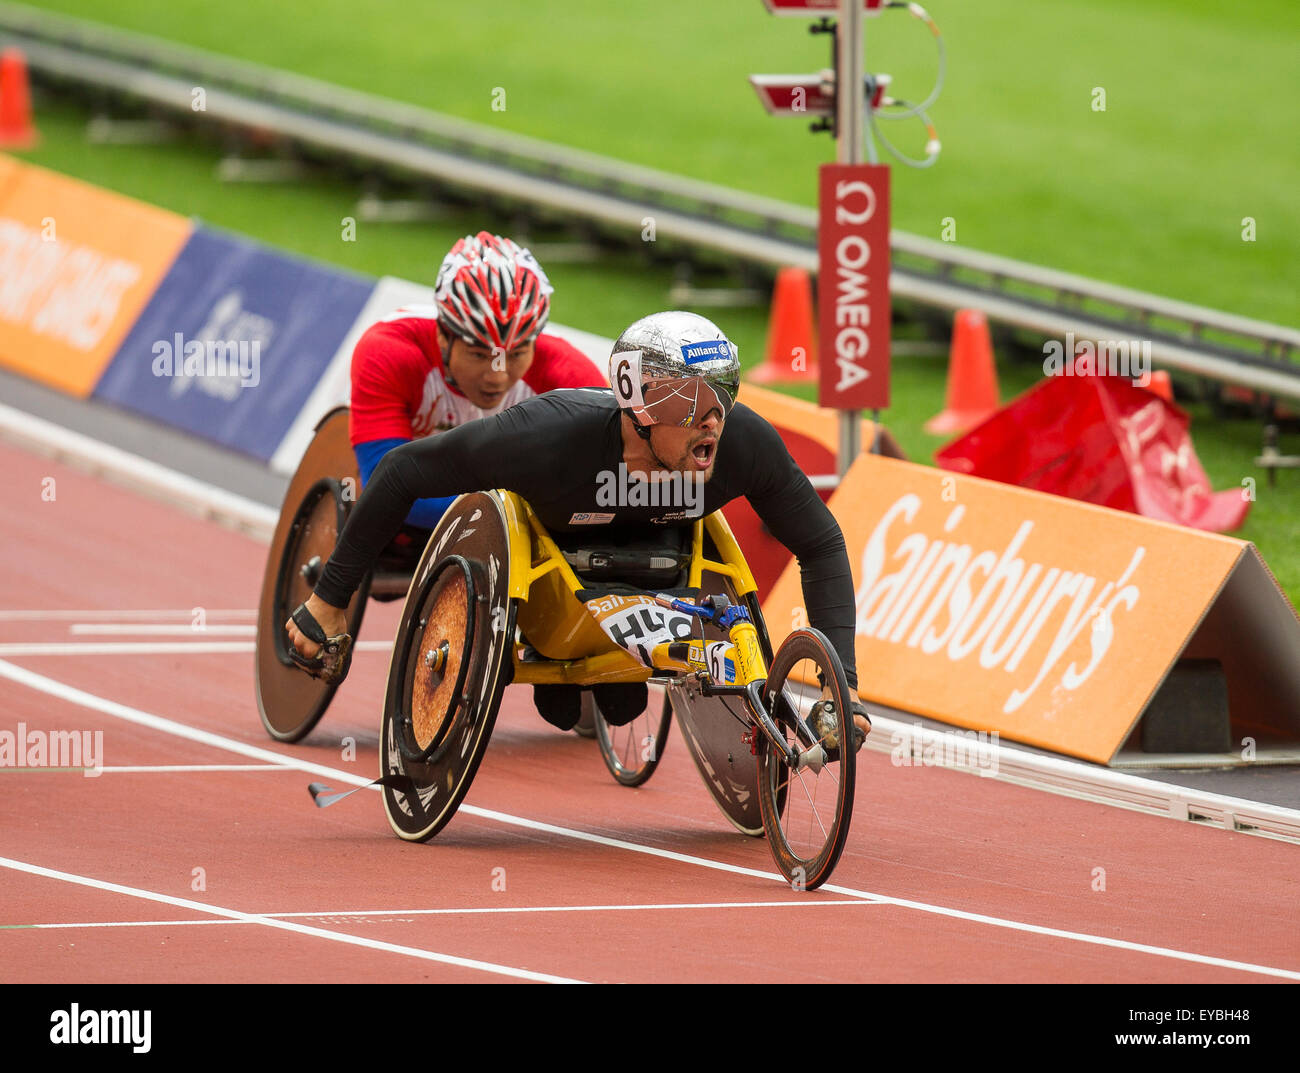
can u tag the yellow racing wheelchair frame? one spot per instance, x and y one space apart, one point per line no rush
495 600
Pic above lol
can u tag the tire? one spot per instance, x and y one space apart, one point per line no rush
316 505
632 752
439 712
806 814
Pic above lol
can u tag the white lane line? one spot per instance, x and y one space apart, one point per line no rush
89 700
45 770
1096 940
923 907
147 648
125 769
168 768
118 924
121 648
169 726
284 925
811 903
321 915
123 613
120 628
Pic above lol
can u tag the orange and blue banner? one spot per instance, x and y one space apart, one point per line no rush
234 340
77 265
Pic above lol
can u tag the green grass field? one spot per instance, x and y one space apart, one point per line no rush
1198 131
1144 196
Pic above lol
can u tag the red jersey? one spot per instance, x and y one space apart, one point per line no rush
400 389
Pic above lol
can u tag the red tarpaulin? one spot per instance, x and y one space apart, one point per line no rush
1102 440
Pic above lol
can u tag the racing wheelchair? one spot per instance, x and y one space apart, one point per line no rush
494 598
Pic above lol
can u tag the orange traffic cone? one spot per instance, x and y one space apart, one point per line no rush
1159 383
972 378
16 129
791 343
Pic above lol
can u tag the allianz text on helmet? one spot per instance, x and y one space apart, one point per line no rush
674 368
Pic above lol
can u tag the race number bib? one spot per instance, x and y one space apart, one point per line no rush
637 623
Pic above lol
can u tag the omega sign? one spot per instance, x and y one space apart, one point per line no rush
853 286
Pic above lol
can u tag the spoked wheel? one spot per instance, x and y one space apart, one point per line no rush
450 666
315 508
632 752
806 812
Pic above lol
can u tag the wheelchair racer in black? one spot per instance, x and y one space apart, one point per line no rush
588 459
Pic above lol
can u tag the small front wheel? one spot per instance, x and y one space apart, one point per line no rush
632 752
806 806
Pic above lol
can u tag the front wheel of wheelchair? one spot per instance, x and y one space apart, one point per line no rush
450 665
632 752
807 807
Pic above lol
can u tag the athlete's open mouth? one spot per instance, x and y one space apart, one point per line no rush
702 452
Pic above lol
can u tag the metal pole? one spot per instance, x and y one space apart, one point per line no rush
850 148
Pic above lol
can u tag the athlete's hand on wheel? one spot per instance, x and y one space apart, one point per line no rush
333 621
861 717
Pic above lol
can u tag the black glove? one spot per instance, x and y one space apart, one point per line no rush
335 657
858 708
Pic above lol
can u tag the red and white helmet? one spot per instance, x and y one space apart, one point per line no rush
491 292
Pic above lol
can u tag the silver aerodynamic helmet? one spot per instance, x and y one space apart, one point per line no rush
674 368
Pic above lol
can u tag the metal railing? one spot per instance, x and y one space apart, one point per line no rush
618 197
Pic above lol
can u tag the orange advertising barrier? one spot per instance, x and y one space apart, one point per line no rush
10 169
812 426
77 265
1050 621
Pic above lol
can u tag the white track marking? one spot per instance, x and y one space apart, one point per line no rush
1096 940
122 648
148 648
169 726
232 630
924 907
806 904
89 700
284 925
809 903
122 613
168 768
121 924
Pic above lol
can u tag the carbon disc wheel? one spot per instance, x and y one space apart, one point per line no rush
316 505
449 668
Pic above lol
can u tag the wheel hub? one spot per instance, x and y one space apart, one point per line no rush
435 659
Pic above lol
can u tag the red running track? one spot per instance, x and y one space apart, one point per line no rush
550 870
